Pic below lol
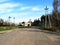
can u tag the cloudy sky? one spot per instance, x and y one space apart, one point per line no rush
23 10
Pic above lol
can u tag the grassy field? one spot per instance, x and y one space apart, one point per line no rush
22 26
3 28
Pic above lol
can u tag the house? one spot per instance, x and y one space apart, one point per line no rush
25 24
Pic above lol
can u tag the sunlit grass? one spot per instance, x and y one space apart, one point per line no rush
23 26
3 28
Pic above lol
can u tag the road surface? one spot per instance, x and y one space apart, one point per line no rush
29 36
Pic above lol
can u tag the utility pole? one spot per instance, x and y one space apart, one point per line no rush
46 11
49 18
49 24
9 18
14 20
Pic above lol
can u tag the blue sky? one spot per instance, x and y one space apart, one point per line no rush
23 10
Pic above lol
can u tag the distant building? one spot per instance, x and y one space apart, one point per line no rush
29 23
26 24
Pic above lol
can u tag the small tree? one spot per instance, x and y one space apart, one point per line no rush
1 22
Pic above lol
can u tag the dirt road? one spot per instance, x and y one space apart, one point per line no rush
29 36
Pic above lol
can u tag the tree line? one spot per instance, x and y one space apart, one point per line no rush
50 21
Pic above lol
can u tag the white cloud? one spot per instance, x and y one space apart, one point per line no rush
3 0
4 11
24 8
35 9
7 7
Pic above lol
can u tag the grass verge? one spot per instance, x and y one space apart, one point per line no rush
3 28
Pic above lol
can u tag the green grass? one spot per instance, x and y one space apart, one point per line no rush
23 26
3 28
